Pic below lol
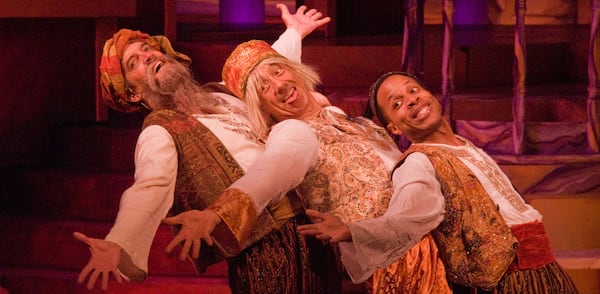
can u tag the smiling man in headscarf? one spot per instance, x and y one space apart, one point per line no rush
192 147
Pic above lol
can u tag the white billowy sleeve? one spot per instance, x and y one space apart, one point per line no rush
148 200
289 45
416 208
291 150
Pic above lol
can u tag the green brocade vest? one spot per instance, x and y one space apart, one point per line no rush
205 169
475 243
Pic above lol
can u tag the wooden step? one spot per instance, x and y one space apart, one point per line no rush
42 243
571 221
579 259
97 147
52 281
62 194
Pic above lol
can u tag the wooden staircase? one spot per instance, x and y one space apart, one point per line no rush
40 206
40 209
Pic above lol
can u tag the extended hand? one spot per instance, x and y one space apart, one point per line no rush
326 227
304 22
196 225
104 260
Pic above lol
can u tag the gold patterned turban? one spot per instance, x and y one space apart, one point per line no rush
112 78
240 63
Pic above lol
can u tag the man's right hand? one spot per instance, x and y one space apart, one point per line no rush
303 21
104 260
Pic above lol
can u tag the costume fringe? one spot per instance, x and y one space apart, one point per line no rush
285 262
550 279
419 271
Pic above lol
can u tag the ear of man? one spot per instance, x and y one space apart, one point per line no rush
393 129
135 97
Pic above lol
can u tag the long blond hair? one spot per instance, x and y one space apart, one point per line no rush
262 121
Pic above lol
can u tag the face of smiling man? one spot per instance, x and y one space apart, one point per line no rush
153 74
410 109
282 94
139 61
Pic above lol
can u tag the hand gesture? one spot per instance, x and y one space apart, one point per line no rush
196 225
326 227
304 22
104 260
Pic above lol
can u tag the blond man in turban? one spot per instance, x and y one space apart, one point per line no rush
193 145
352 176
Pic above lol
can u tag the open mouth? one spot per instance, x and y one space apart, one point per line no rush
421 112
158 66
291 97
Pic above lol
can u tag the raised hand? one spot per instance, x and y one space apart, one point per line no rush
303 21
196 225
326 227
104 261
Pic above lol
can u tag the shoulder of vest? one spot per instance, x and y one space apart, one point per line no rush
164 117
411 149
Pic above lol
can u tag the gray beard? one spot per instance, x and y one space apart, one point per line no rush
178 90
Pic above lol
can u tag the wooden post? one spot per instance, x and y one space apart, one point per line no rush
519 77
413 39
105 28
593 124
170 20
448 59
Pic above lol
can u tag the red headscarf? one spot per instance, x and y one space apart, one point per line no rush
112 78
244 58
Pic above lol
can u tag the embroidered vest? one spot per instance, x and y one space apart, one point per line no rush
475 243
205 169
350 180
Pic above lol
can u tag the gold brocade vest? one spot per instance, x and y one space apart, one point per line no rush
205 170
475 243
350 180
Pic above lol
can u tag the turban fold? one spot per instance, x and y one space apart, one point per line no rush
112 78
240 63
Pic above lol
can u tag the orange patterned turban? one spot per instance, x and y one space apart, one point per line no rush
112 78
244 58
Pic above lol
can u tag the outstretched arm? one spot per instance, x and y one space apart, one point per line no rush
298 26
326 227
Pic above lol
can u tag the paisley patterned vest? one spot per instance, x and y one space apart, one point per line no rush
350 180
475 243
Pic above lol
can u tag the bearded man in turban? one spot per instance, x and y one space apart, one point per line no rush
195 153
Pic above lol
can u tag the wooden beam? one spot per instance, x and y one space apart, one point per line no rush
67 8
519 76
593 124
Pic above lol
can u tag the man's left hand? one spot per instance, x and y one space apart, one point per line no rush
196 225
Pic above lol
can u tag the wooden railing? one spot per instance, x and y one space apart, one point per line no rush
413 63
413 59
593 127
